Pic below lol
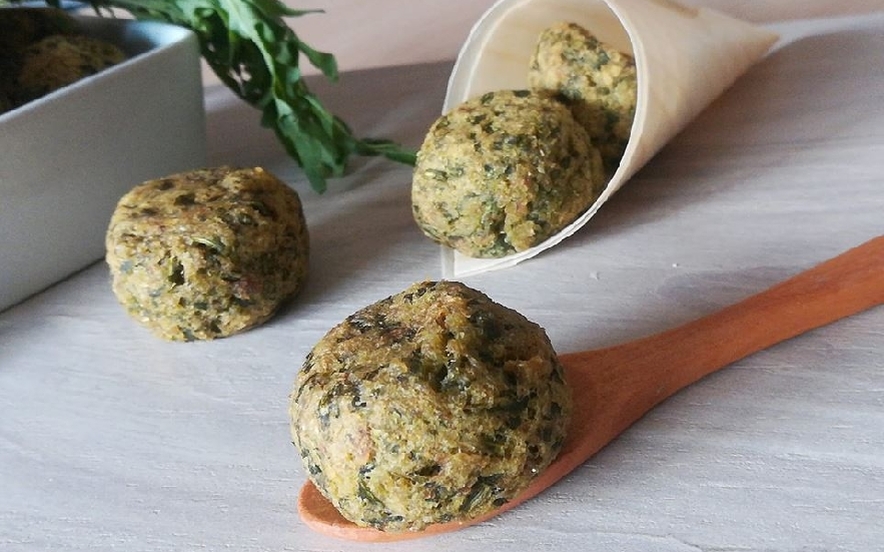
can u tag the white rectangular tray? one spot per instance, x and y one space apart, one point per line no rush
67 158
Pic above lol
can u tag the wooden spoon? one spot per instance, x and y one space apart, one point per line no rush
614 387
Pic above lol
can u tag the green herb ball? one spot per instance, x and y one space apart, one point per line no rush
503 172
433 405
600 83
59 60
207 253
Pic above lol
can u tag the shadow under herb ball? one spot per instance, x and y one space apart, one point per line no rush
503 172
207 253
433 405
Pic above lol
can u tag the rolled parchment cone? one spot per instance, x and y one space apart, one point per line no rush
685 58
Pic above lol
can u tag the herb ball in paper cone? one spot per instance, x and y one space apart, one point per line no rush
503 172
673 45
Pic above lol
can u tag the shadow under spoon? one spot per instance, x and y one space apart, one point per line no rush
614 387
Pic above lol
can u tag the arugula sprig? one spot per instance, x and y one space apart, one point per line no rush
254 52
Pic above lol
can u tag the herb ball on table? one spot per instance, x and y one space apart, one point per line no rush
207 253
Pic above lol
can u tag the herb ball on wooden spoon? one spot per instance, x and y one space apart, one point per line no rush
433 405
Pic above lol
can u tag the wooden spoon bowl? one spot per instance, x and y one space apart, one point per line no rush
616 386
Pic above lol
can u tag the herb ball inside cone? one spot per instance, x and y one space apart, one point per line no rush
433 405
503 172
599 82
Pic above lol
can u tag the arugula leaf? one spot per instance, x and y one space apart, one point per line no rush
250 47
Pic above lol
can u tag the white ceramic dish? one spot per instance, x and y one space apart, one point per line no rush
67 158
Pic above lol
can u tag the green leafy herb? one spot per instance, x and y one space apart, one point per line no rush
249 45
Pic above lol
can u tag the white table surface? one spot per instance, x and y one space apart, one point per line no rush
111 439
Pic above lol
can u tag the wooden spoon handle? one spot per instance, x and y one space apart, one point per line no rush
629 379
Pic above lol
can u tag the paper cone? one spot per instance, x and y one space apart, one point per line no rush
685 58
